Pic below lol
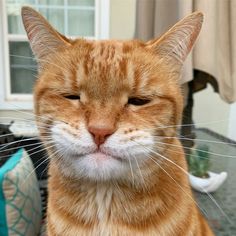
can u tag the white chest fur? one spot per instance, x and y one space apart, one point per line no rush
103 200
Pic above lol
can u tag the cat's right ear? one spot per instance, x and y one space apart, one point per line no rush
44 39
177 42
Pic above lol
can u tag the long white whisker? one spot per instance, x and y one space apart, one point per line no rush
46 159
131 169
195 139
190 124
3 146
27 177
22 146
204 212
41 124
216 158
39 148
28 113
140 173
42 60
184 171
5 135
213 153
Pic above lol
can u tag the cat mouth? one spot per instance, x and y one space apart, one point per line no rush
99 156
102 156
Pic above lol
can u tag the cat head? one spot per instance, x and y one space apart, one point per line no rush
103 107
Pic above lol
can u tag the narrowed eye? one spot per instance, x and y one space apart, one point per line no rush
138 101
72 97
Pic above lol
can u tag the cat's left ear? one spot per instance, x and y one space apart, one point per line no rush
44 39
177 42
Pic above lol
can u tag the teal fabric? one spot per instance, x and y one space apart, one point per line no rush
9 165
20 201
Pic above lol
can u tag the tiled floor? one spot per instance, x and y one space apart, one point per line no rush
222 221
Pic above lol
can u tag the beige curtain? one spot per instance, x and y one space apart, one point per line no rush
215 50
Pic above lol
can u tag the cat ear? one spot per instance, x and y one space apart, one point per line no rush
177 42
44 39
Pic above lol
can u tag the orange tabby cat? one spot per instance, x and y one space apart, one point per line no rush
107 106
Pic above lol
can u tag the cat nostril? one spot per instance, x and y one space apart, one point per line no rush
100 134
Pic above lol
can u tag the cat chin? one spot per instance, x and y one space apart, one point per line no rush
95 167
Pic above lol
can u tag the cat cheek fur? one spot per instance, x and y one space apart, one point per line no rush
76 148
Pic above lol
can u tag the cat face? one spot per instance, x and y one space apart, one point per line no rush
106 105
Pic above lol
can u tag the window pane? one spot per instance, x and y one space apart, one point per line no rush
15 25
22 80
22 67
81 2
51 2
55 17
81 23
71 17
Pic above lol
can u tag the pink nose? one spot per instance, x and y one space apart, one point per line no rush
100 134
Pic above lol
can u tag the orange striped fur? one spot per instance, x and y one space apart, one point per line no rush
108 108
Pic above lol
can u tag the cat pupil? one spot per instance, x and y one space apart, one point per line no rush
138 101
72 97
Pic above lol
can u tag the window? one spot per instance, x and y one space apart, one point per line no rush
18 69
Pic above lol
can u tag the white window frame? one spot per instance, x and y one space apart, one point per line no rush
10 101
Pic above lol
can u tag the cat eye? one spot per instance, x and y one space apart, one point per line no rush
73 97
138 101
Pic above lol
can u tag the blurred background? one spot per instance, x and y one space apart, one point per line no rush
208 81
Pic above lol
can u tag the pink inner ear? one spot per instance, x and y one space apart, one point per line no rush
178 41
42 36
31 34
